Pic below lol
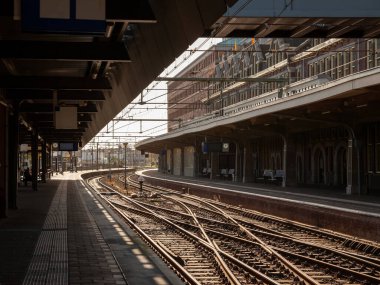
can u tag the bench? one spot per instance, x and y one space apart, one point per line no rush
267 176
224 173
227 173
279 175
206 172
231 173
272 176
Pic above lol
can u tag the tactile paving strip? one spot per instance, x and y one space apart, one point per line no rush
49 264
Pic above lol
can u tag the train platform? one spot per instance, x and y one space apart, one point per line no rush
62 234
329 208
327 197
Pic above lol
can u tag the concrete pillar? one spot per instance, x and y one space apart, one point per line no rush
92 158
97 156
197 171
238 170
164 162
284 161
357 160
196 162
214 165
13 150
189 164
247 163
3 159
44 162
349 165
182 172
51 173
289 162
169 161
34 159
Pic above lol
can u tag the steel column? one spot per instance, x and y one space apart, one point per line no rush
34 159
13 171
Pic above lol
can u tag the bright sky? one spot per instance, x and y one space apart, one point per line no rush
154 94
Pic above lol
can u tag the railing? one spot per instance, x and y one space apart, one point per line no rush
255 102
269 98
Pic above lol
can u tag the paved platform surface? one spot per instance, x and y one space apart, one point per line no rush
327 197
62 234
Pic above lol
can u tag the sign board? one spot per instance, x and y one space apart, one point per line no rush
215 147
24 147
64 16
66 118
71 146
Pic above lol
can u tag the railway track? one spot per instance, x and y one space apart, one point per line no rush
220 244
256 220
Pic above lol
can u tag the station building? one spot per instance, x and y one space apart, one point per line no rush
298 112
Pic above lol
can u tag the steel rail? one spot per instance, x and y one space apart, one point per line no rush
286 262
296 270
182 271
227 271
208 245
348 271
274 249
346 242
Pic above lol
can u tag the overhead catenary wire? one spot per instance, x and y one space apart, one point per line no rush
185 57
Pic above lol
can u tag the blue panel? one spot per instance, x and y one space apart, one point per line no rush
31 21
306 8
204 147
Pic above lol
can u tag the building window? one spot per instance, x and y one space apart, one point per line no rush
328 66
340 64
311 71
298 73
333 67
321 66
353 57
316 68
370 54
346 62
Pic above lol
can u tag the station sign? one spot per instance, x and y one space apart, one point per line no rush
82 16
64 16
215 147
68 146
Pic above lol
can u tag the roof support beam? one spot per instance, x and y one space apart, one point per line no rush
54 83
44 117
82 95
50 125
63 95
307 27
73 51
130 11
49 108
344 28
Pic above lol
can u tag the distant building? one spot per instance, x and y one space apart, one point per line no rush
273 58
304 111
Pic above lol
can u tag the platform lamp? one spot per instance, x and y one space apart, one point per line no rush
125 164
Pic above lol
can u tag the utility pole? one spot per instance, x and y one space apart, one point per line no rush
125 165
